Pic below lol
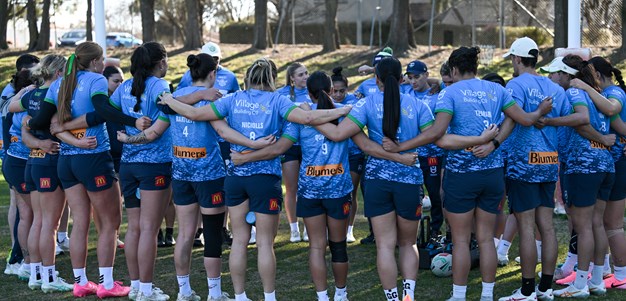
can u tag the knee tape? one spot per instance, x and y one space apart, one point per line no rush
338 251
614 232
212 232
131 202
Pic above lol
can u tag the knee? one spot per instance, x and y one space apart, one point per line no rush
614 232
338 251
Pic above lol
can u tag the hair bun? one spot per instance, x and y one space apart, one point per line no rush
337 71
476 49
192 60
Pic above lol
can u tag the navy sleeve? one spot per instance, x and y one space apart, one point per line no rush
41 121
109 113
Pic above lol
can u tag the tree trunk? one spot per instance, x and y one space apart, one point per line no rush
31 16
43 42
399 33
330 26
560 23
192 29
4 21
260 24
89 25
147 20
623 19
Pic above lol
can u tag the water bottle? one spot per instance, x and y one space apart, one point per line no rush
251 218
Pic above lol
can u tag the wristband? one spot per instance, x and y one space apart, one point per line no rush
495 142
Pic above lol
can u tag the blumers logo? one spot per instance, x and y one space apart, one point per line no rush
44 182
274 205
159 181
217 198
100 181
543 158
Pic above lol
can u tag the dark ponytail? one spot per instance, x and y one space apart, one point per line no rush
318 84
586 71
142 63
200 66
389 71
338 76
606 70
464 59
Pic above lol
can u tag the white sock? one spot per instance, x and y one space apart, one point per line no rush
35 271
48 274
459 291
581 279
323 296
408 286
106 277
496 242
350 229
215 287
80 276
503 247
270 296
294 227
61 236
183 285
607 264
242 296
392 294
538 244
620 272
145 288
340 292
488 289
596 274
570 261
134 284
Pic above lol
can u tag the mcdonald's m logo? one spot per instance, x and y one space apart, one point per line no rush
274 205
44 182
216 198
432 161
159 181
100 181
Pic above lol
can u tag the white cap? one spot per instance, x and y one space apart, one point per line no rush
212 49
522 47
557 65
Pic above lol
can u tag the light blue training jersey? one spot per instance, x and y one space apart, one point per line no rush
367 87
300 94
152 152
532 155
88 85
195 149
615 92
325 169
474 105
17 148
225 81
586 156
414 117
353 150
254 114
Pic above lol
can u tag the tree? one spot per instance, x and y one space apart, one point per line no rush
89 25
147 20
260 24
401 31
623 19
193 30
4 20
43 41
331 32
31 16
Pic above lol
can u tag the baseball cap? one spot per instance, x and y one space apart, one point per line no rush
557 65
416 67
212 49
386 52
523 47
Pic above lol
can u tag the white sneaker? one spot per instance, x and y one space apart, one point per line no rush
58 250
559 209
295 236
34 285
252 237
157 295
305 235
350 237
518 296
503 260
192 297
342 298
223 297
133 293
57 286
544 296
486 298
426 204
572 292
65 244
23 274
596 290
12 268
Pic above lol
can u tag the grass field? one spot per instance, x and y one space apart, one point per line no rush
293 279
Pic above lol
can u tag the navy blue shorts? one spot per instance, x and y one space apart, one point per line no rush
94 171
357 163
14 169
584 189
28 179
145 176
618 192
382 197
525 196
294 153
431 166
209 194
264 192
44 178
478 189
338 208
225 151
